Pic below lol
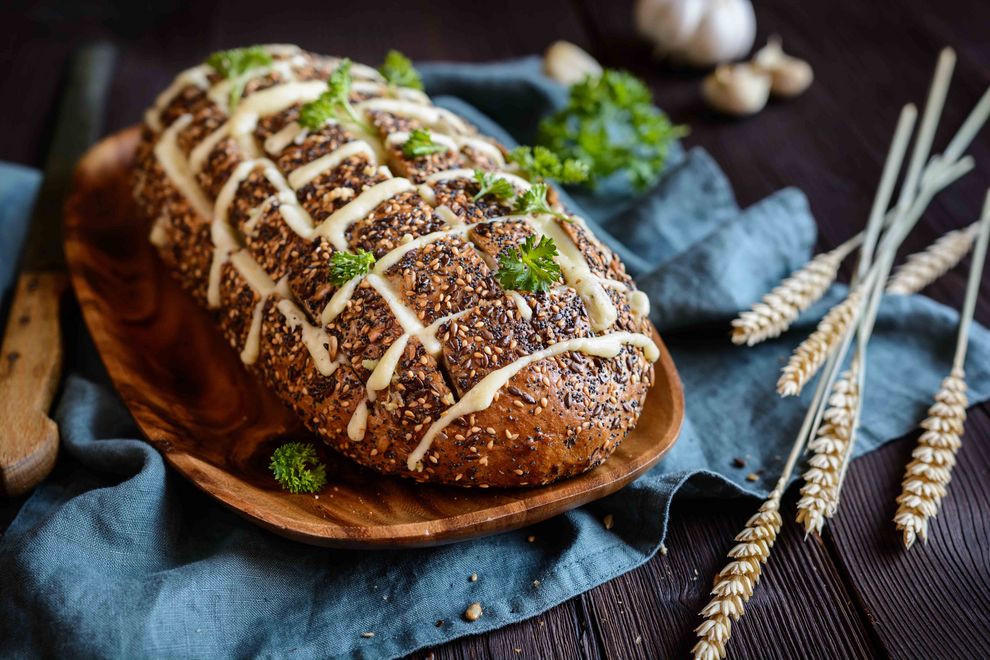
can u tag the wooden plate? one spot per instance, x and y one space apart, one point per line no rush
217 425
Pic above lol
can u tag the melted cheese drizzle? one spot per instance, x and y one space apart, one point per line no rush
578 274
431 116
517 181
300 176
335 227
198 76
270 101
338 301
174 163
481 396
316 339
291 133
524 309
358 424
404 93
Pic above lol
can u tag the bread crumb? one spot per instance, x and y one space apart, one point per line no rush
530 538
367 635
474 577
752 476
738 462
663 550
608 520
473 612
536 583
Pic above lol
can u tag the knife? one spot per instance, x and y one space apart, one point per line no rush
31 353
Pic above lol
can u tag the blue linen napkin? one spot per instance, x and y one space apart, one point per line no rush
117 556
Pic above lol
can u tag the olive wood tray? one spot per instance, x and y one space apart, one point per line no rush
218 425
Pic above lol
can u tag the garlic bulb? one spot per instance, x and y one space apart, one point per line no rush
789 75
739 89
699 33
569 64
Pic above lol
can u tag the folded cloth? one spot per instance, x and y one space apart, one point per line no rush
117 556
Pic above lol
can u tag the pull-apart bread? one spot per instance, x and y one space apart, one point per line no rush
424 366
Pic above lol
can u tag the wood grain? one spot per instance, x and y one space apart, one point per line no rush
218 426
30 369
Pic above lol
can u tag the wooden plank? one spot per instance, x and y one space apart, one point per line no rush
929 601
561 633
800 608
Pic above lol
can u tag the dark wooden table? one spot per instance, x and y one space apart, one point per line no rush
854 592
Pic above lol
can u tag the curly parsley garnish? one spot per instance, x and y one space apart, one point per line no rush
233 64
297 468
539 164
529 267
534 201
345 266
420 143
610 123
489 184
398 70
333 103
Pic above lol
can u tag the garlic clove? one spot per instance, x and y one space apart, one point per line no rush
725 33
669 24
569 64
790 76
737 89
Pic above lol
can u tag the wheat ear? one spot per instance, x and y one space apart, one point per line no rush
734 585
780 308
923 268
819 494
927 475
926 478
810 354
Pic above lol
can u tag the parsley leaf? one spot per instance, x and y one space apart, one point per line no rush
420 143
611 124
398 70
345 266
233 64
534 201
529 267
333 103
490 184
539 163
297 468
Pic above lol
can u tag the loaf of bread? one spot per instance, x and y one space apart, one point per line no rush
425 366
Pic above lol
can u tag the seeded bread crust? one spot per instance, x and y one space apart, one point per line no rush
555 418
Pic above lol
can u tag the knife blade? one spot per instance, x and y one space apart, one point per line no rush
31 354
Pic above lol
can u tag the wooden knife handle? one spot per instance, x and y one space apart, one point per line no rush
30 367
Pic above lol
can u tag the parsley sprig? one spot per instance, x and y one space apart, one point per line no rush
345 266
420 143
235 63
491 185
611 124
297 468
540 164
529 267
333 103
398 70
534 201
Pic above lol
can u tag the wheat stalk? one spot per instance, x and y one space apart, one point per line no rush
927 475
734 584
923 268
926 478
833 442
780 308
810 354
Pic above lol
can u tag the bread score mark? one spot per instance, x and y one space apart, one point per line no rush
481 396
